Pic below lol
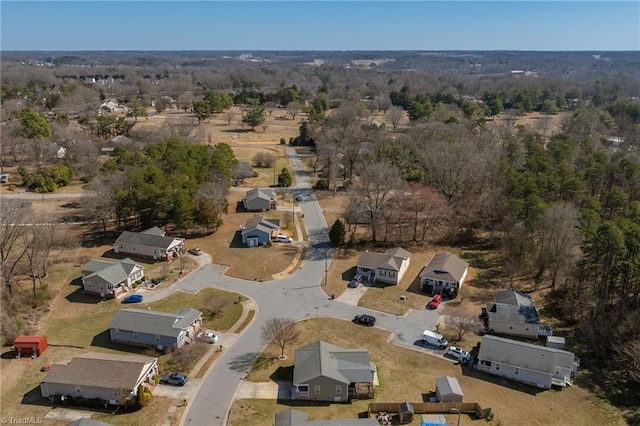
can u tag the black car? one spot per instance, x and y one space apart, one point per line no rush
369 320
177 379
355 281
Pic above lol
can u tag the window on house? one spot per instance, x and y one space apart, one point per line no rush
135 334
78 389
116 332
517 370
392 274
303 388
157 338
316 389
338 389
497 366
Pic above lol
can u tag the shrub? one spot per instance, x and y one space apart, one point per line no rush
322 184
144 396
283 141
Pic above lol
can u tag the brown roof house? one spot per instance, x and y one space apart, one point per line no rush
387 268
107 279
324 372
112 378
151 242
444 274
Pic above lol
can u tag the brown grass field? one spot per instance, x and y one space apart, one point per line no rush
408 375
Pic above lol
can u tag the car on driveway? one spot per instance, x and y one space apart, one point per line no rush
283 239
458 354
207 337
364 319
176 379
196 251
435 302
133 298
355 281
299 197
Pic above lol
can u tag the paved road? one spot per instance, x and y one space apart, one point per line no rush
298 296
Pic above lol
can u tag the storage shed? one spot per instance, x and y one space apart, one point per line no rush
30 345
448 389
556 342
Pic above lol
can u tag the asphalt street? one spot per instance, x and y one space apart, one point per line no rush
298 296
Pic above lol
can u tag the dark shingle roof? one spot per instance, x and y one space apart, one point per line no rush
100 370
445 266
260 222
513 305
153 322
391 259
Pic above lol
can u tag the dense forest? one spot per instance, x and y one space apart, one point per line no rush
561 205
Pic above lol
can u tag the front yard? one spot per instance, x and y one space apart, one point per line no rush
409 375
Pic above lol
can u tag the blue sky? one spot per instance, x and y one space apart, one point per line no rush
320 25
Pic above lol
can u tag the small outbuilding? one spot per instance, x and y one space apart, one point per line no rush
406 413
32 346
448 389
556 342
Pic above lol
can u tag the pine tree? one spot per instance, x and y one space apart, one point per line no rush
284 178
336 234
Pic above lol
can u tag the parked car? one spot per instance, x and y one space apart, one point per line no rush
299 197
284 239
177 379
156 281
364 319
207 337
457 353
355 281
133 298
435 302
196 251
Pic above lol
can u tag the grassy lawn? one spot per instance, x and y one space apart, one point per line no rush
226 245
408 375
152 414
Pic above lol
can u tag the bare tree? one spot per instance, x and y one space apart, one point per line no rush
13 217
216 303
229 115
374 192
210 201
395 114
270 107
264 159
294 108
280 332
463 322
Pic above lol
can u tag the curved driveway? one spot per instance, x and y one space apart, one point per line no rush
298 296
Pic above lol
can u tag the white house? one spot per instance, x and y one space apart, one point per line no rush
444 273
535 365
514 313
106 279
387 268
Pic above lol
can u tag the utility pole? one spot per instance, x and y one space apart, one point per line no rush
325 266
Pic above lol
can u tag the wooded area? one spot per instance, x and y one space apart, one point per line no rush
416 150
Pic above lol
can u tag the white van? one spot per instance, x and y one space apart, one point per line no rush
435 339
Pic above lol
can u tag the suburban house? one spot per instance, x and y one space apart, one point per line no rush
324 372
106 279
151 242
513 312
4 177
387 268
111 106
142 327
259 200
112 378
444 274
535 365
300 418
448 389
258 231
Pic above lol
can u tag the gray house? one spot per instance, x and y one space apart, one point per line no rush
448 389
324 372
514 313
300 418
106 279
111 377
535 365
259 200
151 242
444 273
142 327
258 231
387 268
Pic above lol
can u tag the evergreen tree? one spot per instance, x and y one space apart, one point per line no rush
254 114
284 178
336 234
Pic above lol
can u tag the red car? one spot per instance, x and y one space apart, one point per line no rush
435 302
